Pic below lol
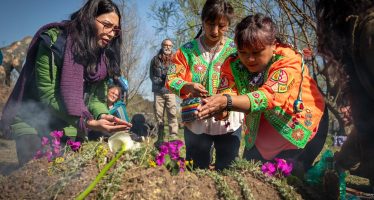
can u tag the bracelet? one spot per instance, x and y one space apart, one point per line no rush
229 102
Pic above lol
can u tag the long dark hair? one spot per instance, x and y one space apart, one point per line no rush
256 31
214 9
82 31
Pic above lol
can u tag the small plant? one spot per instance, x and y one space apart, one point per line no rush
170 158
51 148
279 169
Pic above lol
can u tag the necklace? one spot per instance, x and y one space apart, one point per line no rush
212 51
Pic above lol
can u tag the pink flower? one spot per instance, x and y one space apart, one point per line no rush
38 154
49 155
268 168
74 145
160 159
283 167
56 143
45 141
181 164
57 134
56 150
164 149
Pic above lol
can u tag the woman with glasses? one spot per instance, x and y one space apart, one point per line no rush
63 83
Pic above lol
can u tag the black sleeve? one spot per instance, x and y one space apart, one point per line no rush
155 72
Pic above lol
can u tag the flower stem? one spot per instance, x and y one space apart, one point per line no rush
87 191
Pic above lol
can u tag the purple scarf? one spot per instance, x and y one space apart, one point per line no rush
71 85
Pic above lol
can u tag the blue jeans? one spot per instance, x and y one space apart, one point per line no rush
198 148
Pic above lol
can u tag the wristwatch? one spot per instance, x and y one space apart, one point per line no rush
229 102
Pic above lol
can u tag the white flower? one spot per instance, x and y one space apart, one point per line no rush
116 141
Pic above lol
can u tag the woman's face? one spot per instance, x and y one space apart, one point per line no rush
107 26
215 30
256 60
113 95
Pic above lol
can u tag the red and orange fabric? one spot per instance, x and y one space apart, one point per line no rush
273 98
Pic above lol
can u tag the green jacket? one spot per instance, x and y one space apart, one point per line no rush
42 109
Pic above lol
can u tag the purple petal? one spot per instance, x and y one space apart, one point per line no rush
49 155
38 154
73 145
45 141
268 168
57 134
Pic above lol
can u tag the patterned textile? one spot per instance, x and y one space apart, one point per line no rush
275 96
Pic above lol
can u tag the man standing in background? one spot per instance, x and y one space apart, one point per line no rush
163 98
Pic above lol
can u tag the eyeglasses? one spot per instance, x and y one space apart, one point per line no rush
108 27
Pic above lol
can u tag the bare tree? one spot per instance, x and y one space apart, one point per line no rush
131 48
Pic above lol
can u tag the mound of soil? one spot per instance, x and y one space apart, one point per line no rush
40 180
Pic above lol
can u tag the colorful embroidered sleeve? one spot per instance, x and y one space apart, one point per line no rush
280 87
177 76
227 84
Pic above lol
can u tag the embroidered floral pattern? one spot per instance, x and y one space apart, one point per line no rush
217 67
259 101
278 81
298 134
200 68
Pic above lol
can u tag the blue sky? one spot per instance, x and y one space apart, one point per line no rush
21 18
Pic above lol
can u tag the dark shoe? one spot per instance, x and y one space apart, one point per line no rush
27 146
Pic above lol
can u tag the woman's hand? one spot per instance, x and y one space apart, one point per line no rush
109 124
212 106
221 116
194 90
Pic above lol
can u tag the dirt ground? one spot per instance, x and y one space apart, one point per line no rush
34 181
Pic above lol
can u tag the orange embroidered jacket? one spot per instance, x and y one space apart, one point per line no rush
273 94
190 66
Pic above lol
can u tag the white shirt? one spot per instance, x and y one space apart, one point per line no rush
211 126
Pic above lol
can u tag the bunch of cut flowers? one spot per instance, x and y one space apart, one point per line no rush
169 156
280 168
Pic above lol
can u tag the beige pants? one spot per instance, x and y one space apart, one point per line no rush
166 102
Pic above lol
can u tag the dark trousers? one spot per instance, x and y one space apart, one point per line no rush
304 156
198 148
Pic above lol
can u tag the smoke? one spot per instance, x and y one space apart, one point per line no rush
40 116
